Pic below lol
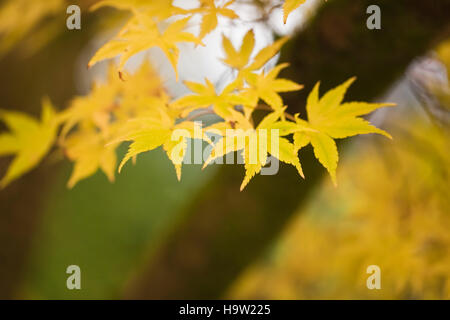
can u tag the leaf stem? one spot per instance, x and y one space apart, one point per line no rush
267 108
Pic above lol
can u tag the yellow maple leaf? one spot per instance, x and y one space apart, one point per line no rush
242 60
210 13
264 86
151 133
289 6
29 140
205 96
142 33
267 53
87 149
95 107
235 59
255 146
267 86
329 119
116 99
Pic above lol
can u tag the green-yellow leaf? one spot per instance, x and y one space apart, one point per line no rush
326 152
143 141
348 127
330 119
286 153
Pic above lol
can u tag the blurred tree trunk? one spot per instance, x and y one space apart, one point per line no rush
225 230
25 81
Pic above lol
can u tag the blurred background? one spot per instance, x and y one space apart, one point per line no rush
148 236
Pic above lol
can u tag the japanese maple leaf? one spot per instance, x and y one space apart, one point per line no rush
86 148
210 13
289 6
95 107
329 119
142 33
267 86
205 96
150 133
255 145
241 59
29 140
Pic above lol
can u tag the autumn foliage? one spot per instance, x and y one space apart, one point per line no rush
137 108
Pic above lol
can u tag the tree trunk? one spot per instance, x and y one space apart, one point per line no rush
21 203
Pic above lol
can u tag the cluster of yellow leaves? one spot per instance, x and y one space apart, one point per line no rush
143 29
32 15
391 210
256 147
328 118
139 110
88 128
94 124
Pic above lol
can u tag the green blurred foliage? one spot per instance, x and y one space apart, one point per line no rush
109 230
